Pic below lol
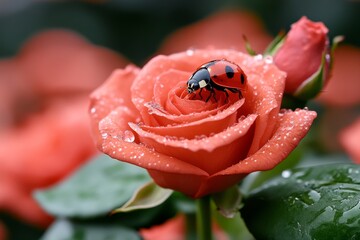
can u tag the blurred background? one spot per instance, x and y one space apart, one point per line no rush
54 53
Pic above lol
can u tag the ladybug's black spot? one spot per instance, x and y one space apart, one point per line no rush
242 78
229 71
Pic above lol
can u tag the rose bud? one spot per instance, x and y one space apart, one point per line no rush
304 54
190 144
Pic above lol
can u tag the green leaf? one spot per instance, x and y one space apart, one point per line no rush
312 86
148 196
69 230
321 202
100 186
234 227
228 202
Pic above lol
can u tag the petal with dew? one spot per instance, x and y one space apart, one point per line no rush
115 92
209 153
216 123
293 126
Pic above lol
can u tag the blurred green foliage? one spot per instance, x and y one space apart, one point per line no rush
137 28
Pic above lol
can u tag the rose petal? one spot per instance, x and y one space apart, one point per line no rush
216 123
120 142
211 153
263 96
159 117
115 92
143 87
293 127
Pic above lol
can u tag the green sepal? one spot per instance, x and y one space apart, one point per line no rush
321 202
248 47
312 86
274 46
315 83
148 196
228 202
335 43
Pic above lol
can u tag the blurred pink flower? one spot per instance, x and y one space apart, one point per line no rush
45 127
350 140
343 89
175 229
2 232
223 30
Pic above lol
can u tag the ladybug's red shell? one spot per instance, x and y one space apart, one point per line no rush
226 74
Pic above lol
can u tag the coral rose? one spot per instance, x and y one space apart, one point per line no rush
41 152
45 133
146 117
301 54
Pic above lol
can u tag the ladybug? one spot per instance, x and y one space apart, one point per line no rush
221 75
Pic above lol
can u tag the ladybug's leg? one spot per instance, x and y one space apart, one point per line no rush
212 92
226 93
234 90
200 93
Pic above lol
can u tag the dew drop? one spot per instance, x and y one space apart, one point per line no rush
314 195
128 136
104 135
268 59
93 110
286 174
258 57
190 52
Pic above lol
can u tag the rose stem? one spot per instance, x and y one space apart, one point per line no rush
203 218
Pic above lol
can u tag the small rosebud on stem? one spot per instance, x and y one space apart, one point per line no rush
305 55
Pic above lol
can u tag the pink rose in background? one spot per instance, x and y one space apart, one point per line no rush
60 61
341 98
343 89
223 30
2 232
350 140
301 53
175 229
45 127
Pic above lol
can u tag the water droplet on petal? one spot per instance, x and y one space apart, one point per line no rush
93 110
258 57
128 136
104 135
190 52
268 59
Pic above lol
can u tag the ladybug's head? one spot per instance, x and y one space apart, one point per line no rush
192 85
199 79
